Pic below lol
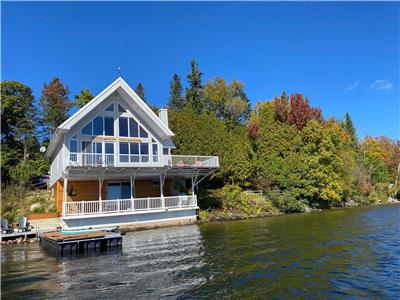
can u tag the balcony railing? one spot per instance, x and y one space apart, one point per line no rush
128 206
194 161
109 160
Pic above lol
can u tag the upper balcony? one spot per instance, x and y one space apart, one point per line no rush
126 160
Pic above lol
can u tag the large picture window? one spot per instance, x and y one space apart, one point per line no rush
134 152
99 126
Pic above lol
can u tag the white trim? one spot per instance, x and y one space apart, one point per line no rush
135 222
130 213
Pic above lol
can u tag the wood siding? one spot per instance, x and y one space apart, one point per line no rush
89 190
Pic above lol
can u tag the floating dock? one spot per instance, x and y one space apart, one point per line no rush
80 242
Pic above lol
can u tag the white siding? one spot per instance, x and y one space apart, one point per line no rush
57 165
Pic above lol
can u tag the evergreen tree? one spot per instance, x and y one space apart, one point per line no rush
350 129
55 106
194 93
83 98
17 115
140 92
176 101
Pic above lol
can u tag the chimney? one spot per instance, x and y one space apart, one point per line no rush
163 115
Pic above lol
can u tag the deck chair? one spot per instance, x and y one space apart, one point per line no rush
5 227
23 224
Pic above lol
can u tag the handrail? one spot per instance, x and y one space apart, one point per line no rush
81 159
132 205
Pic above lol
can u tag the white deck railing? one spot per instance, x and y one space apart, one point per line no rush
123 206
109 160
194 161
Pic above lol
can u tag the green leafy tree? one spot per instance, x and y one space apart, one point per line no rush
227 101
176 101
55 106
194 93
18 116
205 134
83 98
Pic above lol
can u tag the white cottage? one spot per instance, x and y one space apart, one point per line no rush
111 164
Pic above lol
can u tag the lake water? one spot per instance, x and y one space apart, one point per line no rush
345 253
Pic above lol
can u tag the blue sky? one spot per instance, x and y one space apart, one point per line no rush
343 56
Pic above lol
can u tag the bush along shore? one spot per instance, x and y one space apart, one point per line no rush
232 203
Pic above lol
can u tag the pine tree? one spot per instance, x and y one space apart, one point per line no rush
140 92
55 106
194 93
83 98
176 101
349 127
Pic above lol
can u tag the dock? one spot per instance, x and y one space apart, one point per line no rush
16 235
80 242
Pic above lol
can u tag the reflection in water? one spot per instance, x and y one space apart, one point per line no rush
346 253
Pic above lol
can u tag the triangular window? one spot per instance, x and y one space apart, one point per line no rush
110 107
121 109
143 133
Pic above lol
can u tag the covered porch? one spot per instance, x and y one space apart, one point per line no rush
124 191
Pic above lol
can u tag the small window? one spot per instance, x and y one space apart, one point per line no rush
120 108
73 146
110 107
165 151
98 126
155 153
143 133
123 126
87 129
123 148
133 128
134 148
144 148
109 148
109 126
75 136
124 152
144 151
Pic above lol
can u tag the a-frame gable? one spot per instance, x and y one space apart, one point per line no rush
135 103
131 99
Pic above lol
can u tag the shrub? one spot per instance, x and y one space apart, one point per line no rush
286 201
18 201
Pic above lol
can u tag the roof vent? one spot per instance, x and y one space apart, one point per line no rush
163 115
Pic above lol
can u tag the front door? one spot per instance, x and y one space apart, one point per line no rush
118 190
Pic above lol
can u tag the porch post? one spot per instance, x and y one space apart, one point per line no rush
65 194
100 188
162 190
132 188
192 186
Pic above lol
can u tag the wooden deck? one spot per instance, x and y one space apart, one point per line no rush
80 242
